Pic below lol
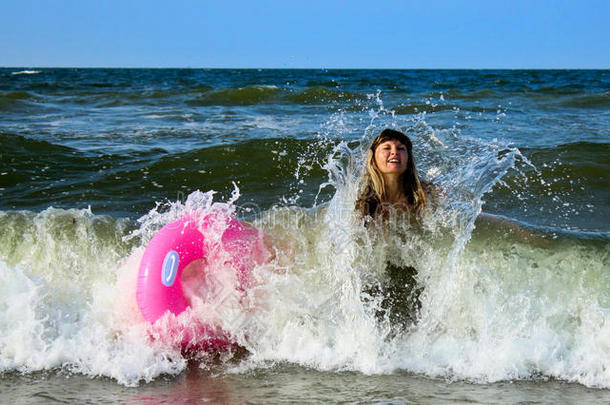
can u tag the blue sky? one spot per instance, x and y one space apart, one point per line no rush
306 34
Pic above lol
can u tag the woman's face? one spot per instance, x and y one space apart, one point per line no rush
391 157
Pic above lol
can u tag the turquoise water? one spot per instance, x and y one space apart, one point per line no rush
514 300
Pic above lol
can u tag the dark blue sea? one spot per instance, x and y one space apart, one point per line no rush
512 266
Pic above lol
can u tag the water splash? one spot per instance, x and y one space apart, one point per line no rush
495 301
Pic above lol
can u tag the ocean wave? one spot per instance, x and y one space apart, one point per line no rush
18 95
324 95
541 301
39 173
15 100
19 146
26 72
241 96
563 187
254 95
600 100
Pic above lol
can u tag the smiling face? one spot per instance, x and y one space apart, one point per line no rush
391 157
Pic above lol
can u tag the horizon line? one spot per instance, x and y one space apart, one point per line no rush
302 68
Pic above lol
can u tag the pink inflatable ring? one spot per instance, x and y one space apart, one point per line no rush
179 243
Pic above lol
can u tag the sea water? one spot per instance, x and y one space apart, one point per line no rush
508 297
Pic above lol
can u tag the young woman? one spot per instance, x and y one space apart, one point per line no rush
391 177
391 184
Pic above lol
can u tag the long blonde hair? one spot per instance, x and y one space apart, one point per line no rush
374 195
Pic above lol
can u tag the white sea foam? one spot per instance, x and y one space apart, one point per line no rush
27 72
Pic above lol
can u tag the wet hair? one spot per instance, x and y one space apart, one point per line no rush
374 195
